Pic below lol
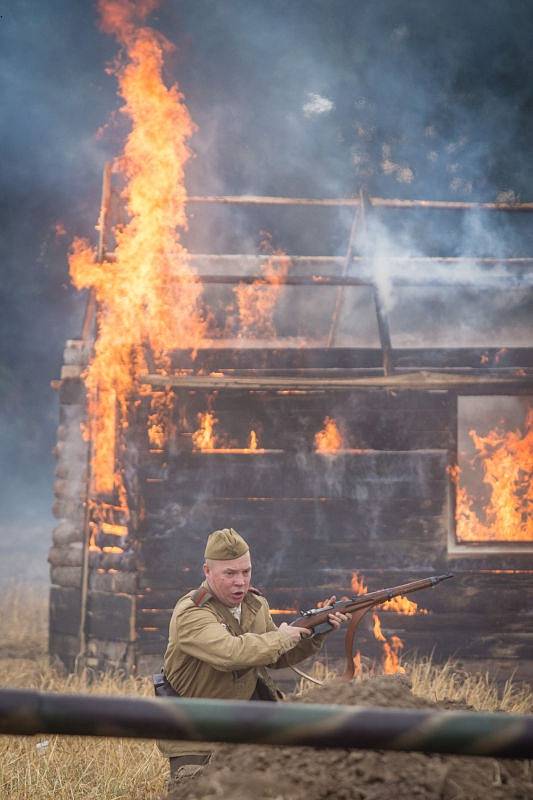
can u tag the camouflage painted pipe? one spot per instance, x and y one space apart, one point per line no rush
464 733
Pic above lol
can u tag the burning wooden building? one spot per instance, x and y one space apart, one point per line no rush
340 465
203 394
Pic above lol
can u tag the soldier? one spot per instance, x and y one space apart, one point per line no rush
221 639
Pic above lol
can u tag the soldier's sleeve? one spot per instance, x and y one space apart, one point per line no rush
306 647
203 636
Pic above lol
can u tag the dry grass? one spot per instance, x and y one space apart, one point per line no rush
65 767
76 768
23 619
449 681
443 682
72 767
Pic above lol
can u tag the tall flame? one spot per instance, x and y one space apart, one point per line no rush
141 301
506 463
329 439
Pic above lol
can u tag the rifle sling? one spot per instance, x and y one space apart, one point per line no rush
357 616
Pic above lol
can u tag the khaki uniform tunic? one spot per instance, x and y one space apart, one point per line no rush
210 654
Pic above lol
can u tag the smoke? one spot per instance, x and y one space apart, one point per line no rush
409 99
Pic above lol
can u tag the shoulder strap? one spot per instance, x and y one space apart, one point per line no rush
253 590
201 596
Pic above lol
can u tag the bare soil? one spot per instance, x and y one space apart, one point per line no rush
251 772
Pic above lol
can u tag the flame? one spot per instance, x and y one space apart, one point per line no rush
329 439
402 605
505 460
357 665
114 530
159 419
391 662
283 611
59 230
391 648
358 584
141 301
256 302
204 438
376 628
252 441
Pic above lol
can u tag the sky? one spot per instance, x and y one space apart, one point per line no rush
401 98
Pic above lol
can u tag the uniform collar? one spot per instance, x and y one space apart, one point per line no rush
250 605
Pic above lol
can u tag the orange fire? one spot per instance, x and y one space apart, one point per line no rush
357 664
505 460
391 662
329 439
358 584
252 441
256 302
161 404
376 628
391 649
402 605
141 300
204 438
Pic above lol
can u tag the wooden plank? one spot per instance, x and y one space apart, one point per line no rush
362 476
111 616
346 202
148 618
419 380
209 359
152 642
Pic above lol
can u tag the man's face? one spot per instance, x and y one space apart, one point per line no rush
229 580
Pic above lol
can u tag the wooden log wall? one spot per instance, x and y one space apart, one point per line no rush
109 642
382 510
66 554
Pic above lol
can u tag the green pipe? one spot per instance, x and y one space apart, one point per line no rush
299 724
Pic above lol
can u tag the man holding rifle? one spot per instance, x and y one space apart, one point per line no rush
221 639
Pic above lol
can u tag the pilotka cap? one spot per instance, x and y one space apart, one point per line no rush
225 545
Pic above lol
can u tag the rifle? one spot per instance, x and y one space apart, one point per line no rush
316 619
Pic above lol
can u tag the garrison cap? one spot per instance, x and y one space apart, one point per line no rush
225 545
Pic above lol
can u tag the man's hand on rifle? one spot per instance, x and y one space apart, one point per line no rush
337 618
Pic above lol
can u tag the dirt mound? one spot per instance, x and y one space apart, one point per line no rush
252 772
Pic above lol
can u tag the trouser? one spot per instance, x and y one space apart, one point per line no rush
191 766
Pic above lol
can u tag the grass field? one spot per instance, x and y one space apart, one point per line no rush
75 768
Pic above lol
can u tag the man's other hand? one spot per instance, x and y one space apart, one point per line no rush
336 618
